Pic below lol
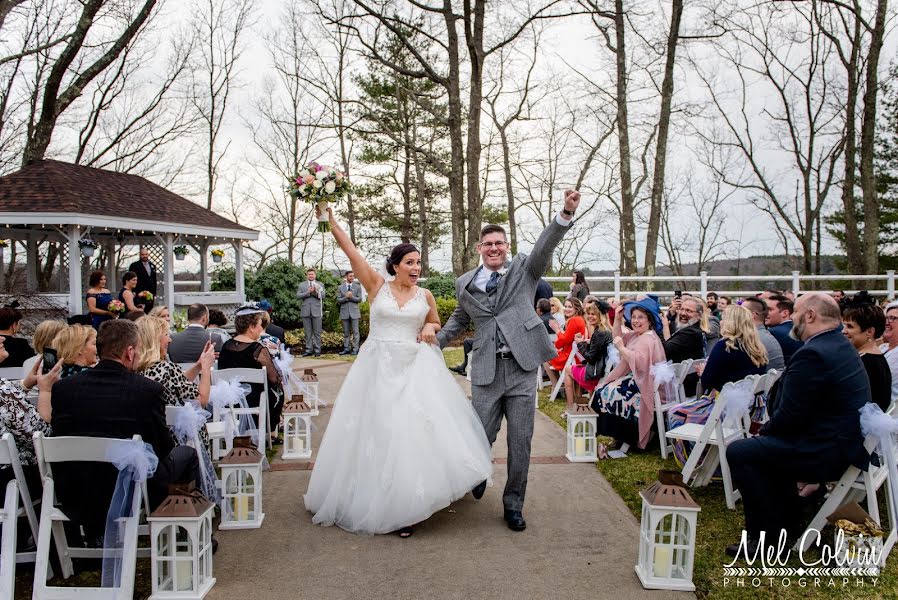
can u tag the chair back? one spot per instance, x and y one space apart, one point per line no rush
12 373
9 455
246 375
243 375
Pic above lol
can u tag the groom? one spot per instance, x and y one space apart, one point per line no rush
510 342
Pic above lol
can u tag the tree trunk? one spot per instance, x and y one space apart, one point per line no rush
627 216
474 39
667 90
509 190
421 192
852 237
457 158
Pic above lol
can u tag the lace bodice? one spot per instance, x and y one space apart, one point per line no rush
392 323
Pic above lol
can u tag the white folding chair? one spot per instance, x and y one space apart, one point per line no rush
713 437
10 515
85 449
573 356
245 375
12 373
681 369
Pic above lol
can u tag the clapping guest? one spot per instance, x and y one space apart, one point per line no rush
245 351
625 397
889 347
862 324
564 340
594 351
557 310
17 349
22 419
688 341
98 299
76 349
579 288
43 340
178 387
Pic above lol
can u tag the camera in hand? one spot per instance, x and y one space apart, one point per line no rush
49 360
678 293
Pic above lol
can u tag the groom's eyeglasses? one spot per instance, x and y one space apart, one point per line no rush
489 245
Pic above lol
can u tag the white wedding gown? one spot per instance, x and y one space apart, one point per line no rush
403 440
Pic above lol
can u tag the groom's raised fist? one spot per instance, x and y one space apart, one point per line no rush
571 200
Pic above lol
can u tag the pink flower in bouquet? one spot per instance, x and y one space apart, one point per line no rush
313 166
116 306
309 179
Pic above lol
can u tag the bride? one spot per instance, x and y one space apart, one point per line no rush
403 440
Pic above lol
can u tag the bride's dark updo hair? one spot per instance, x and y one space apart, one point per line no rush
397 255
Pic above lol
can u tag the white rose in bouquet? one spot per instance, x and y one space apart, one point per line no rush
316 184
321 174
330 186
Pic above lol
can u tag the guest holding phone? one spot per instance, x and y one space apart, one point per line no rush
43 340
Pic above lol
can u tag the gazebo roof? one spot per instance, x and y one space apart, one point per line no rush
49 192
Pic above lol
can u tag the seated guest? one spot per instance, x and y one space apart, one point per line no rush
133 315
17 349
594 351
271 342
711 300
723 303
217 321
275 331
688 341
187 346
76 349
779 323
245 351
178 387
112 401
579 289
738 355
543 290
564 341
625 399
862 324
133 302
43 339
889 347
162 312
814 430
544 310
758 310
21 419
557 310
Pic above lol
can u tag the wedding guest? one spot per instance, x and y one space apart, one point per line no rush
723 303
688 341
579 288
76 349
188 345
349 294
266 339
43 340
112 401
133 315
890 344
839 296
21 419
217 322
758 310
127 294
146 277
245 351
543 290
594 351
564 341
272 329
711 300
162 312
779 323
814 431
557 310
624 399
98 299
544 310
178 387
17 349
862 324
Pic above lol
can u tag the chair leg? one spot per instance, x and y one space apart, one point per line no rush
728 491
833 501
691 465
8 541
872 503
662 429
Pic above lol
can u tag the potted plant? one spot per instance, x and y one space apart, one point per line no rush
180 252
217 255
88 247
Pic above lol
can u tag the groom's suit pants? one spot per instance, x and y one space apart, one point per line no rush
510 395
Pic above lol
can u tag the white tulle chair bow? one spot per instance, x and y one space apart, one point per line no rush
188 421
136 462
665 376
612 359
884 428
292 384
225 395
738 402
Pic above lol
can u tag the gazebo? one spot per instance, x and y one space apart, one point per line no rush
49 201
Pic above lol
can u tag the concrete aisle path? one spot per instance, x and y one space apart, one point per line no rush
581 541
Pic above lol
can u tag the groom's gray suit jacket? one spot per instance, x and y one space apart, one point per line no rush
512 312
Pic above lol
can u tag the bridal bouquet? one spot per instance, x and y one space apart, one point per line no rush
319 184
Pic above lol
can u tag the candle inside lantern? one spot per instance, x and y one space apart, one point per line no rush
184 574
661 566
579 446
240 508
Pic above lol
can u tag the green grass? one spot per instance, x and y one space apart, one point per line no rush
717 527
453 356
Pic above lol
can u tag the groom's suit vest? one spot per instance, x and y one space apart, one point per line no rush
488 300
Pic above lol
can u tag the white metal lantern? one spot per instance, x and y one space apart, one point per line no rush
581 434
667 534
310 390
241 486
297 429
181 545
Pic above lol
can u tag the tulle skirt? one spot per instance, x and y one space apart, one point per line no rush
403 442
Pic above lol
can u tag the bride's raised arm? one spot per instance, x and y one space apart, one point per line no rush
368 276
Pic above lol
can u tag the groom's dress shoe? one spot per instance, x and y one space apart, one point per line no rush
515 520
478 490
458 369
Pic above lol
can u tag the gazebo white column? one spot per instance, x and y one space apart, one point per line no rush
204 266
168 285
112 278
31 267
75 301
238 269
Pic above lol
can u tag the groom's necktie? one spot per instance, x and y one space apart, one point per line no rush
492 283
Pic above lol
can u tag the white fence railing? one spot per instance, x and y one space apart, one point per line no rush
794 281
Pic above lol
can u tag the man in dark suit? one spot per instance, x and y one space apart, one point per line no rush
779 324
112 401
814 430
146 277
688 340
186 346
